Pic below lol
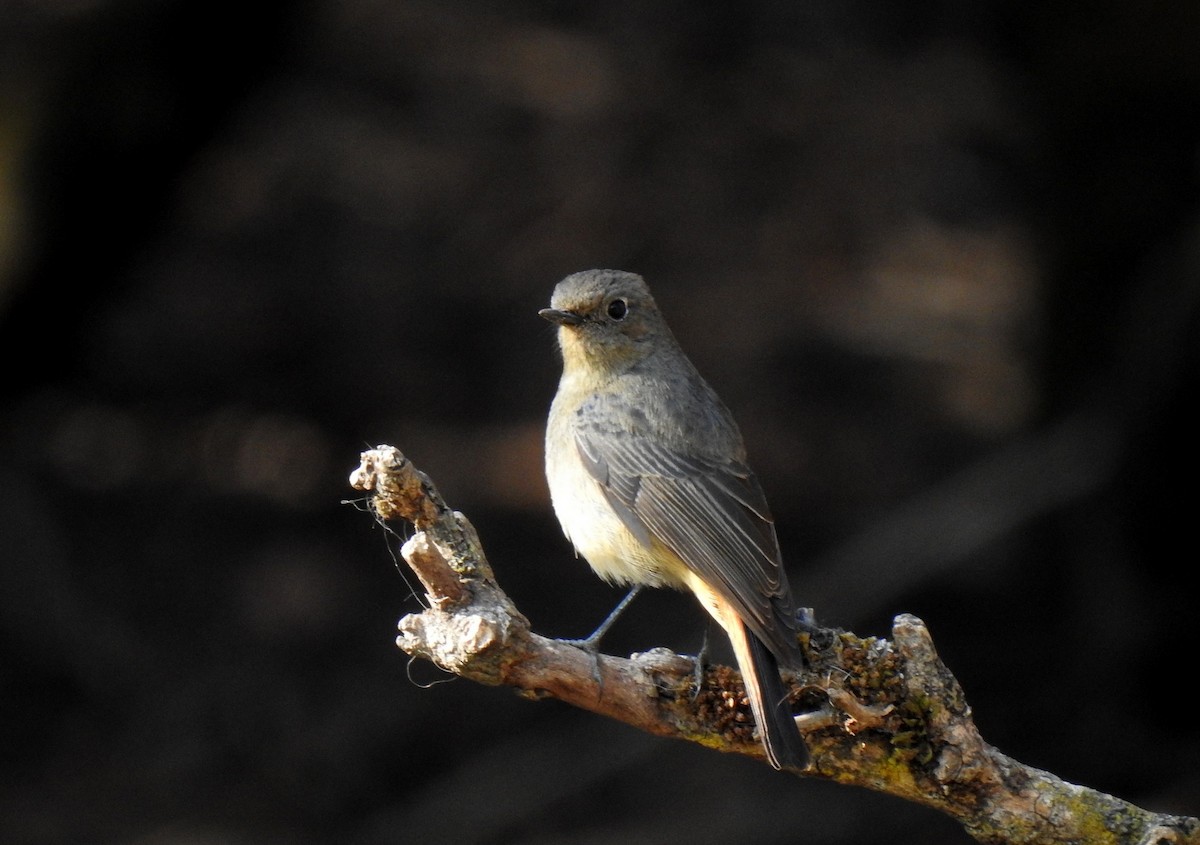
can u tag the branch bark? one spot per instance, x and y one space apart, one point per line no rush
885 715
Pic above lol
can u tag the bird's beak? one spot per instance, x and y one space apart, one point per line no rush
563 318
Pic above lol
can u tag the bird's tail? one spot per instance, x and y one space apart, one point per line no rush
777 729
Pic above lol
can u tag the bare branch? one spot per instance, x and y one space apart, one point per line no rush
885 715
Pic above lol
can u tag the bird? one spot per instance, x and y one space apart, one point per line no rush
649 480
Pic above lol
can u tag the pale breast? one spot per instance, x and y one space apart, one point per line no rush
595 531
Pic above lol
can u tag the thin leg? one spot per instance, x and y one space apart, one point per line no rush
701 665
806 621
592 642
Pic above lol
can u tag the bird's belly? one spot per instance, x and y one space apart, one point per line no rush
599 535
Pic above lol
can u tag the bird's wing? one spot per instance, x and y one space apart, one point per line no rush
714 516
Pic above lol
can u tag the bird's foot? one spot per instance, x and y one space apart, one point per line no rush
806 620
591 643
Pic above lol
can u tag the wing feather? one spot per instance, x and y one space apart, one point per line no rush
714 516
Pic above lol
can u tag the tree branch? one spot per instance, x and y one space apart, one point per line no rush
885 715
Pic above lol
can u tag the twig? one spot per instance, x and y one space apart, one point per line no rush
886 715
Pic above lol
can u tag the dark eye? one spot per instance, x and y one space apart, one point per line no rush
617 309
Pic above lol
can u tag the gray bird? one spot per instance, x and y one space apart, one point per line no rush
648 477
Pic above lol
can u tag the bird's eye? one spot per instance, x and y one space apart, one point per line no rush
617 309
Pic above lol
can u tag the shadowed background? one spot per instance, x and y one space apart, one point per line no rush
943 266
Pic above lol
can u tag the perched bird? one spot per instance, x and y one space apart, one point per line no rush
648 476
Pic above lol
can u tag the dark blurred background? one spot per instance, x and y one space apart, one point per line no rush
943 266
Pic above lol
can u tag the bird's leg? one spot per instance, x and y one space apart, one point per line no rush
806 620
591 643
701 663
806 623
